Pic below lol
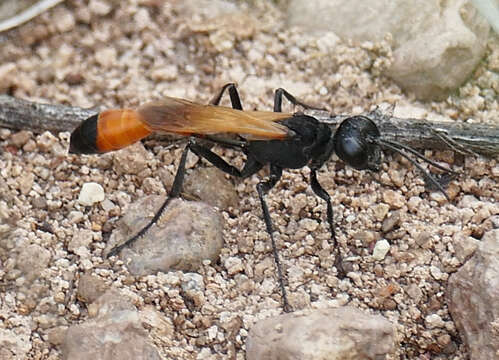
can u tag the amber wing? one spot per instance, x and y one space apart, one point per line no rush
184 117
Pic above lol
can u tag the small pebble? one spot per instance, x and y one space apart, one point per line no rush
381 249
90 194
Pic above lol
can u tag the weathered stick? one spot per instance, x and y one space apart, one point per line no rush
481 139
478 138
26 115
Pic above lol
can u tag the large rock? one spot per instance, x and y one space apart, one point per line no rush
436 45
342 333
117 332
210 185
186 234
473 294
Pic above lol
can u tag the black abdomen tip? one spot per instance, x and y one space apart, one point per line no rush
84 137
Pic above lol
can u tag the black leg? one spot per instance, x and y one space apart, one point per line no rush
234 96
235 100
278 101
174 193
225 142
323 194
263 188
249 169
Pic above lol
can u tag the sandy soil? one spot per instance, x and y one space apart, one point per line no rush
101 57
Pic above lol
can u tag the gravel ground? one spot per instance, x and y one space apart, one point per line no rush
97 56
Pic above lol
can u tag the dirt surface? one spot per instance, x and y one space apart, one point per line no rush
110 54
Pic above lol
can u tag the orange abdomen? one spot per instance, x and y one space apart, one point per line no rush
119 128
107 131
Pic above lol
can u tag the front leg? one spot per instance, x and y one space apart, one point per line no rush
323 194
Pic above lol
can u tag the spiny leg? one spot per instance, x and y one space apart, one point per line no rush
179 176
174 193
263 188
250 168
278 101
323 194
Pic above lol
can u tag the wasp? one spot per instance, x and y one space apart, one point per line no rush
279 140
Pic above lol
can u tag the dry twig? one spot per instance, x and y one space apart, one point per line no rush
457 136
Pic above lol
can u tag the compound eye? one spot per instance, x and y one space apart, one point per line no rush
352 151
354 143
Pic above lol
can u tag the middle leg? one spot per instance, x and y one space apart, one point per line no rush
263 188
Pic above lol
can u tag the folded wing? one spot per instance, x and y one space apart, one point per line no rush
186 118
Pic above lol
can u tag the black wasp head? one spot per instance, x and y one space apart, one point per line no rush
356 143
